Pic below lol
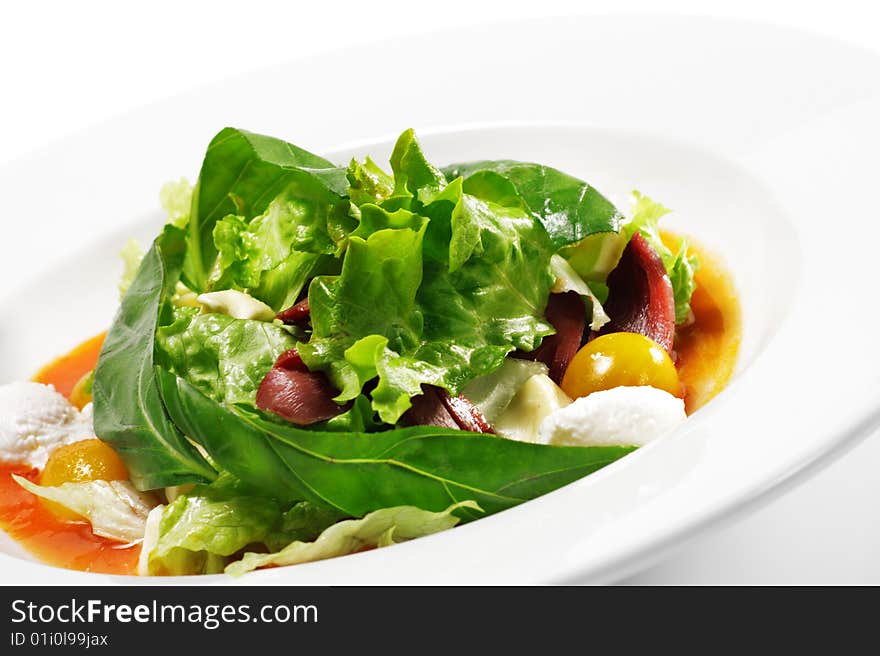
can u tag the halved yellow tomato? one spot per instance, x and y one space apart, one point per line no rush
618 359
87 460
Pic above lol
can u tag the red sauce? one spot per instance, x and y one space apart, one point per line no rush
708 347
64 372
22 515
54 541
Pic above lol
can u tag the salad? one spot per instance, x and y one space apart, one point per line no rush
312 360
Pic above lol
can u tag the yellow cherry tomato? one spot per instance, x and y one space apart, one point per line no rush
87 460
81 394
619 359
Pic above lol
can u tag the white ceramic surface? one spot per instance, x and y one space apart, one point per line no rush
762 140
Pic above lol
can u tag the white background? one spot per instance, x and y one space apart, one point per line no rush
68 66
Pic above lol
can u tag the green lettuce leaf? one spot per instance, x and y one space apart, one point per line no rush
176 198
681 275
373 296
274 255
224 357
680 266
114 508
202 530
242 174
471 274
582 224
381 528
368 182
360 418
413 174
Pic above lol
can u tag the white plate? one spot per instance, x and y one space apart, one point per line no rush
764 141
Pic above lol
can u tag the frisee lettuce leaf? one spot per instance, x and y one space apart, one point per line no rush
176 198
274 255
380 528
413 174
680 266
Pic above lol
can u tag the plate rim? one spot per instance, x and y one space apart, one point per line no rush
858 429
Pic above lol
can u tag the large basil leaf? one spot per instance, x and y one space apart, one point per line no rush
569 209
426 467
243 173
128 409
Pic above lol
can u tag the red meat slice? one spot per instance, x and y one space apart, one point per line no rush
640 296
296 394
466 414
436 407
428 409
297 313
567 315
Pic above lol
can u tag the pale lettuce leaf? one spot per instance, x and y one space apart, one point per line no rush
176 199
131 254
377 529
202 530
493 392
114 508
568 280
151 537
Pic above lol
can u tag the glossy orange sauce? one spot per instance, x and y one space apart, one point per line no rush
707 348
54 541
64 372
23 516
706 352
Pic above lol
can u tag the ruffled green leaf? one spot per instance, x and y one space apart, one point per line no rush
224 357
